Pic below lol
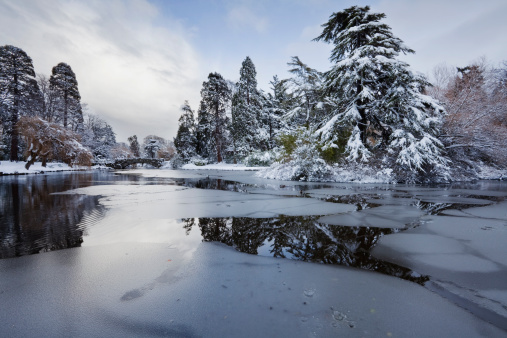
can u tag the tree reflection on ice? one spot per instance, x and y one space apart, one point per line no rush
302 238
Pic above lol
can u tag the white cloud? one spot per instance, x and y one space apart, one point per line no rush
134 72
453 31
245 17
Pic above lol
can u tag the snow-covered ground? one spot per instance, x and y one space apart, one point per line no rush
7 167
152 289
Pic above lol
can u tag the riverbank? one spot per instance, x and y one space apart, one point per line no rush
18 168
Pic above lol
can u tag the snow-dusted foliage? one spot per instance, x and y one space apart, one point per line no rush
306 86
98 136
376 96
261 158
134 146
246 113
120 151
212 121
185 140
475 126
19 94
63 83
157 147
276 105
49 141
300 159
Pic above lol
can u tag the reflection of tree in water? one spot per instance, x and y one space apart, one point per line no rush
33 220
303 238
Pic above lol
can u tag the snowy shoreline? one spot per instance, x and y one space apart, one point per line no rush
341 176
18 168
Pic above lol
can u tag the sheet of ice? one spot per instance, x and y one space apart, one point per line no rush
466 255
178 202
453 199
385 216
474 192
141 289
487 236
331 192
497 211
392 200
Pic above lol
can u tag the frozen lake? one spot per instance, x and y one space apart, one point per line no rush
218 253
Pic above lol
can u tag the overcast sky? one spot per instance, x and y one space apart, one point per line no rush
137 61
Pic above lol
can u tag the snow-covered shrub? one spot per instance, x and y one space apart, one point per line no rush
198 161
260 159
49 141
300 159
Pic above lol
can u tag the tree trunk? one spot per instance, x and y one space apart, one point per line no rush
14 121
217 134
65 109
363 121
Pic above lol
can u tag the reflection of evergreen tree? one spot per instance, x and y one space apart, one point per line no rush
188 223
33 219
303 238
215 230
248 235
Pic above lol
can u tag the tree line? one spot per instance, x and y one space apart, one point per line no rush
369 111
43 119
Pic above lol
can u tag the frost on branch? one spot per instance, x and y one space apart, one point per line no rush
49 141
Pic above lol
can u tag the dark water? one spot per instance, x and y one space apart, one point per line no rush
302 238
34 219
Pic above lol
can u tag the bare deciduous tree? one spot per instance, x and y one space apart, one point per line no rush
49 141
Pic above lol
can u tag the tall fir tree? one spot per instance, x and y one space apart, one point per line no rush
376 96
19 93
63 82
247 128
185 140
277 105
212 119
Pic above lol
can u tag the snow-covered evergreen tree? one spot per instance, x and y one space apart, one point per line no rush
98 136
212 120
247 128
18 93
375 96
134 146
203 134
63 82
185 140
306 91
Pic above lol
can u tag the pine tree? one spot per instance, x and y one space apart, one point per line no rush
247 131
134 146
306 85
63 82
376 96
185 140
19 92
212 119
